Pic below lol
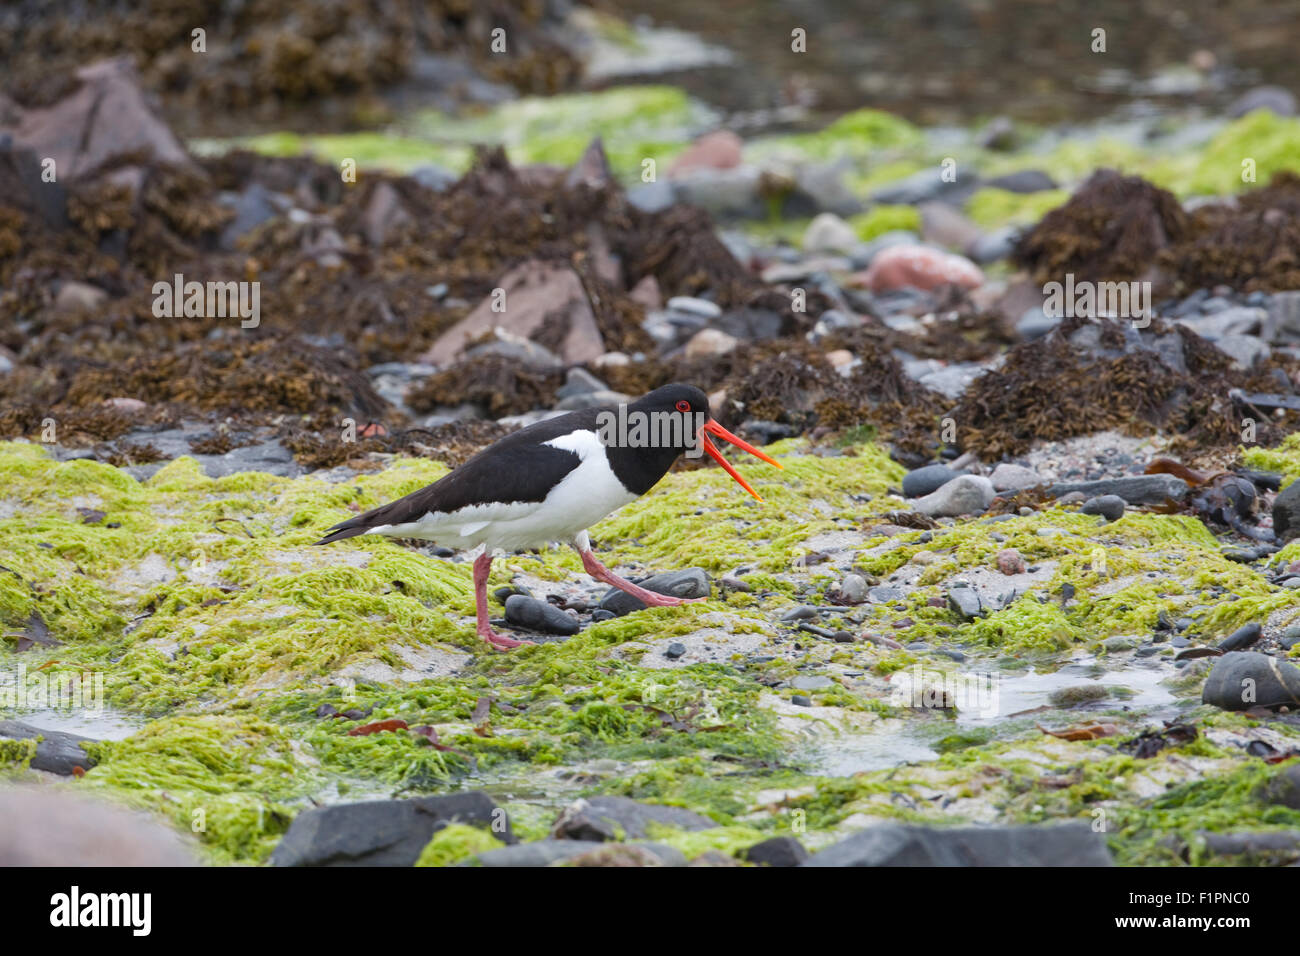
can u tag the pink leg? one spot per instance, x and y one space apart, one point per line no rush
649 598
483 565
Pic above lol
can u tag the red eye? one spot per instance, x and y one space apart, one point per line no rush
683 406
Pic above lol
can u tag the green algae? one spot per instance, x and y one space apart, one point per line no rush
1285 458
456 843
16 755
992 208
700 518
230 779
881 219
1270 142
634 122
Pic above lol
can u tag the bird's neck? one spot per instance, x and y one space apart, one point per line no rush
639 469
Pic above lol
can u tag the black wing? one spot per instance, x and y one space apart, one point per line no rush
517 468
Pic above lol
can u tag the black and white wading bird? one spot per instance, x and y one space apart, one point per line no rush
551 482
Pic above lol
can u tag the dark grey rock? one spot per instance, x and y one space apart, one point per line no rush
580 382
529 612
1035 323
267 456
1290 637
994 246
56 751
890 844
686 583
1286 512
1283 789
674 650
800 700
750 325
618 818
1241 638
1023 181
1274 846
965 602
778 851
1241 680
1110 507
383 832
1134 489
922 481
924 186
800 612
1278 99
252 207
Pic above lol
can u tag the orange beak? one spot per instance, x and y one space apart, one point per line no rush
713 428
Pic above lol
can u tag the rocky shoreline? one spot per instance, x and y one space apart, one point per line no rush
998 608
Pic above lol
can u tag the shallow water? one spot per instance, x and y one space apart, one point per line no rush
953 61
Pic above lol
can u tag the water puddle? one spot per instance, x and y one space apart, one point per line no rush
987 701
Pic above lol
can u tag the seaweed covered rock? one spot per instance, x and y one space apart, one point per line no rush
1251 244
1095 374
1111 229
279 53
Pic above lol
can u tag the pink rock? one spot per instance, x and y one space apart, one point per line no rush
717 150
129 405
1010 562
919 267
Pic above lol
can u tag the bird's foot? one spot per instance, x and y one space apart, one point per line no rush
500 642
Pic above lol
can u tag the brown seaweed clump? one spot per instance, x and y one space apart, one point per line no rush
275 54
1251 245
1112 228
452 443
501 386
792 383
1095 374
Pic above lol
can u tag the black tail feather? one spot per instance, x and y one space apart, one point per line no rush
345 530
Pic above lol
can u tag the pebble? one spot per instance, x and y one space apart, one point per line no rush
853 588
674 650
1241 638
829 233
1008 477
694 306
884 595
923 481
1286 512
529 612
1110 507
1010 562
965 601
1134 489
799 700
919 267
686 583
966 494
800 612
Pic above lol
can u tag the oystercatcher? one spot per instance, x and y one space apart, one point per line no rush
552 481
